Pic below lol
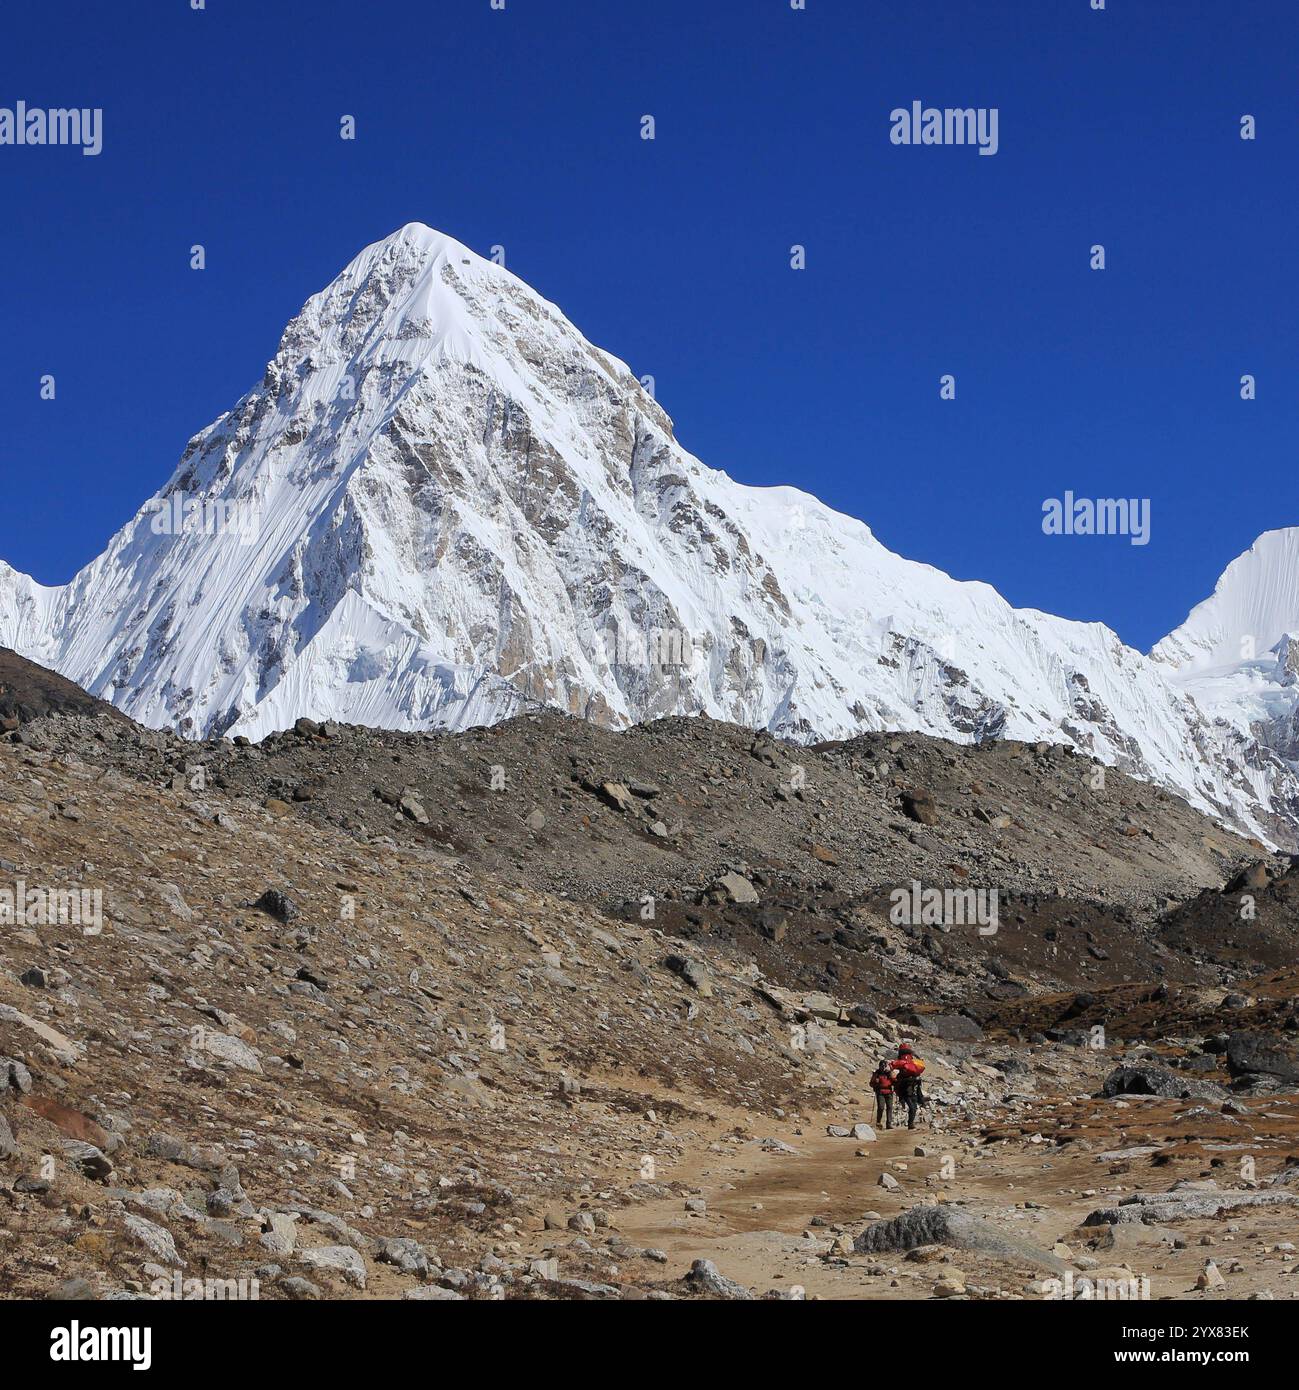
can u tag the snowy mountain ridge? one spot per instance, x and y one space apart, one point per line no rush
442 503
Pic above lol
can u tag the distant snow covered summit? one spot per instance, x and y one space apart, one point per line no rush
441 503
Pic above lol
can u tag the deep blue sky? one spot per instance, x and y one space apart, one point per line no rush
522 128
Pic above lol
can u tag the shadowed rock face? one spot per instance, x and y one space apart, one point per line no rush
1251 1054
29 691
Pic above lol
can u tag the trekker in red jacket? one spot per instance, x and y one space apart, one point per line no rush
907 1068
882 1085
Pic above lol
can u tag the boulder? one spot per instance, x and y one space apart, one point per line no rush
1146 1080
157 1240
64 1049
736 888
336 1259
280 1232
14 1076
1184 1204
617 795
707 1278
947 1027
1250 879
820 1006
405 1254
232 1050
920 806
694 974
276 904
962 1230
1251 1054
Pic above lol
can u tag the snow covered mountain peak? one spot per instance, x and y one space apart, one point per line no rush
1237 654
442 503
414 297
1254 604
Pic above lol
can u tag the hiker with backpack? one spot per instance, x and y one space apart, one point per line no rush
907 1070
882 1085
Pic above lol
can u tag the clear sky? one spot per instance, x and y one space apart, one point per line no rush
522 128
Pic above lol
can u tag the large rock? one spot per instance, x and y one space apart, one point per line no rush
947 1027
920 806
232 1050
92 1161
14 1076
821 1006
157 1240
617 795
171 898
694 974
1249 1054
336 1259
1134 1236
1157 1081
276 904
280 1232
1184 1204
407 1255
64 1049
707 1278
1250 879
736 888
962 1230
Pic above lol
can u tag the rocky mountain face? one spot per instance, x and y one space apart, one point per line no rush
29 691
442 505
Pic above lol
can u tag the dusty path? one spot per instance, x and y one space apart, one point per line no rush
761 1205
